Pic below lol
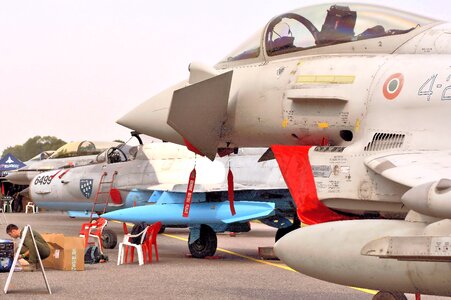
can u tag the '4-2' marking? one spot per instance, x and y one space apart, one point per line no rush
426 88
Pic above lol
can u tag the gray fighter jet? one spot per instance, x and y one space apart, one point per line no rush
358 96
154 178
67 156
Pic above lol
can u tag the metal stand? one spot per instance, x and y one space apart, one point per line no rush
16 258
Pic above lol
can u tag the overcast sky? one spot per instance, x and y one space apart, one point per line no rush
71 68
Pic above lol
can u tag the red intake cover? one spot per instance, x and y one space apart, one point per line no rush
296 170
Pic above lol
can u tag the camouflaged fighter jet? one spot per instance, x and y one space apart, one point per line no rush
154 178
357 97
67 156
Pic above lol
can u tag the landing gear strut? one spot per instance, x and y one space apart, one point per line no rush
205 245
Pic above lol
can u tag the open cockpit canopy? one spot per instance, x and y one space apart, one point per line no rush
83 148
326 25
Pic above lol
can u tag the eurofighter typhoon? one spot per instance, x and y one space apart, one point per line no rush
354 101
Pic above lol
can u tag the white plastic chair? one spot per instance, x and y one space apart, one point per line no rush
33 207
127 243
7 204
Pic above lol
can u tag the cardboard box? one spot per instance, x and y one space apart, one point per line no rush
66 252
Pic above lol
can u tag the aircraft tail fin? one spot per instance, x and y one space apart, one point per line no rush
198 112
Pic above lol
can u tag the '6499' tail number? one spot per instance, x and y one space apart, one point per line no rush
43 179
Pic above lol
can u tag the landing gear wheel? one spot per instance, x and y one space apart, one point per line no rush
206 245
382 295
109 239
162 229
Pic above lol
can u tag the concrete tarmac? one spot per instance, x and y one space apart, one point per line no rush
237 274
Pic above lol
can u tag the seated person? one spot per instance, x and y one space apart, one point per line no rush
28 251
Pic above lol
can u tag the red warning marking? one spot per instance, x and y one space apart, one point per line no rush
64 173
189 193
393 86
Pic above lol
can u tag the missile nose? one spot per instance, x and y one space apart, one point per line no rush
150 117
287 248
417 196
116 215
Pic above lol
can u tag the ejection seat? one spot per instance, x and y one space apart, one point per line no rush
372 32
281 43
338 26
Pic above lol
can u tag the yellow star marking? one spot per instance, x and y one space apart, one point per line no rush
323 125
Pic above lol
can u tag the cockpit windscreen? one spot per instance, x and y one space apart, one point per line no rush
324 25
82 149
249 49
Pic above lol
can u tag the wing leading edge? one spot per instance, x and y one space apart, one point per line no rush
427 173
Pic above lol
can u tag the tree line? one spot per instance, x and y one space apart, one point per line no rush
33 146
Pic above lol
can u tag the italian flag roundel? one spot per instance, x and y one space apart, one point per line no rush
393 86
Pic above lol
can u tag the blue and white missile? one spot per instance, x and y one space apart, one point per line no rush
200 213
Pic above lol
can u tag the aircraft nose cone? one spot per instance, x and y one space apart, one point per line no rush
21 178
150 117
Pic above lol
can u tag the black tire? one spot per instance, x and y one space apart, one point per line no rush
162 229
109 239
383 295
206 245
282 231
